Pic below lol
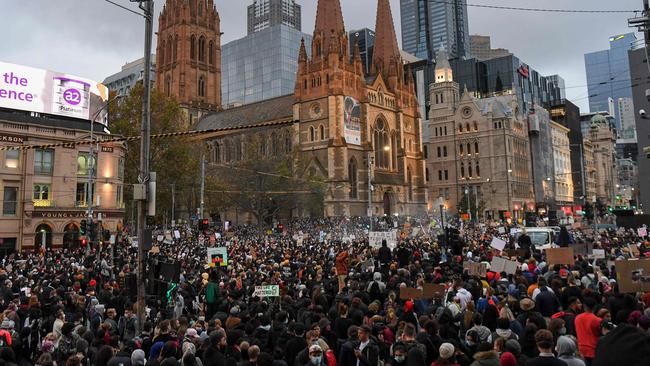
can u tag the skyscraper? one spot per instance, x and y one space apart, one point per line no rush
267 13
365 40
430 25
608 75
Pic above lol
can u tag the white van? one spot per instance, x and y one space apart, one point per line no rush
541 237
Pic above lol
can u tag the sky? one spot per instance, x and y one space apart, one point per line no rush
93 38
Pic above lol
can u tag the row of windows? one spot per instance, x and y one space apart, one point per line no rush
461 148
313 136
471 173
42 196
169 50
229 150
466 128
440 131
44 162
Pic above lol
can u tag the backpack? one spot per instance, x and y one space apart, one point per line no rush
375 292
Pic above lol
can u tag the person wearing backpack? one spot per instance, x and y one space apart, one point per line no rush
376 288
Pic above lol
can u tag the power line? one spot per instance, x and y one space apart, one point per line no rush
579 11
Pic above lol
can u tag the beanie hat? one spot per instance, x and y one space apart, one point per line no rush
137 358
446 350
508 359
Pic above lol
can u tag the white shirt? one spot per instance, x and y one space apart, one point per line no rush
362 345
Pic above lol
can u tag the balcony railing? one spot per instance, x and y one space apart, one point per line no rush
44 203
81 204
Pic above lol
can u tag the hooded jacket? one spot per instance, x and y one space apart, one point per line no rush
566 351
488 358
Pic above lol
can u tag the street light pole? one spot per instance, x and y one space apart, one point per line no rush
143 179
369 157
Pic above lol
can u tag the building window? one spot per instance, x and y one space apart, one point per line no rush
176 47
211 53
460 127
312 134
42 196
119 196
169 50
201 86
439 150
352 178
476 148
426 173
439 174
461 148
475 127
478 170
321 132
12 159
469 170
82 193
43 161
10 201
445 130
202 49
200 7
120 169
84 163
469 149
462 170
446 174
444 151
381 142
410 183
168 86
426 151
193 47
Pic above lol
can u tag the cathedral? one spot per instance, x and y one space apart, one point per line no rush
360 133
188 56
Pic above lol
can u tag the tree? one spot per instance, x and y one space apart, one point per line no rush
266 182
173 159
475 211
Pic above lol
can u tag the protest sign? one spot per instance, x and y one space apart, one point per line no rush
177 234
633 275
267 291
559 256
642 231
217 256
433 290
160 238
475 269
503 265
408 293
376 237
599 253
502 230
498 244
155 250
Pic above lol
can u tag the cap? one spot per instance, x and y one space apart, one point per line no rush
446 350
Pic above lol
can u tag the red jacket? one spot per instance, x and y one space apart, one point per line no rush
341 263
588 331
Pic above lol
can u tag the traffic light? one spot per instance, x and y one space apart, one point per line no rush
204 224
84 242
610 209
618 197
82 227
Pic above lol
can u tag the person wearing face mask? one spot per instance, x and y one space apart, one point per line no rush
399 356
316 356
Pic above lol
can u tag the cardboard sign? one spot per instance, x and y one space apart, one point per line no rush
160 238
177 234
503 265
475 269
516 252
498 244
633 275
267 291
408 293
583 248
375 238
155 250
502 230
635 250
599 253
642 231
559 256
217 257
433 290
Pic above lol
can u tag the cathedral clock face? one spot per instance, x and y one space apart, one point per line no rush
315 110
467 112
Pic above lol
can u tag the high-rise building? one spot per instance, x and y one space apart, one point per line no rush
558 81
608 75
568 115
638 62
480 48
263 14
365 40
430 25
188 65
260 66
562 167
122 82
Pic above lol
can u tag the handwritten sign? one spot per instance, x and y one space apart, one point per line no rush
177 234
598 253
559 256
375 238
633 275
433 290
498 244
642 231
267 291
475 269
503 265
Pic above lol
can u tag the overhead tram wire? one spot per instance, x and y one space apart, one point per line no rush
541 10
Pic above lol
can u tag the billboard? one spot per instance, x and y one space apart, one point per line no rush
352 121
43 91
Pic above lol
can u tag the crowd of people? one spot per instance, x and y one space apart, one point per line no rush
341 301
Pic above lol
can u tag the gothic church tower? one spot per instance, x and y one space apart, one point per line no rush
188 56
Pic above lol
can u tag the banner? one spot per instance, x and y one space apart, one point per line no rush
37 90
375 238
633 275
408 293
352 121
267 291
218 256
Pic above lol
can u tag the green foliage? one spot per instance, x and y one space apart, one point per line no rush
175 160
476 211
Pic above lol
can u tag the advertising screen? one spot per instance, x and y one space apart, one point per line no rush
43 91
